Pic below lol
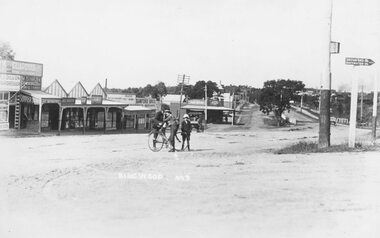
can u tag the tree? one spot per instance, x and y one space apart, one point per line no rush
198 91
276 96
159 90
6 51
147 90
254 95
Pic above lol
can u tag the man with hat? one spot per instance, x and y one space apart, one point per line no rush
160 121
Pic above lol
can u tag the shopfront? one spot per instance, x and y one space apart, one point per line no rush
138 118
90 114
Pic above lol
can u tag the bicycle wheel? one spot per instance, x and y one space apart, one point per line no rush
155 144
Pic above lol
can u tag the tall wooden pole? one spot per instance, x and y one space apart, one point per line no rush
361 105
324 115
180 99
353 110
205 103
376 78
40 116
374 111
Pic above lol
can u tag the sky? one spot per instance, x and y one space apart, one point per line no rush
133 43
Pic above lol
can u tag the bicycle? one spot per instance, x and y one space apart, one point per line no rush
157 144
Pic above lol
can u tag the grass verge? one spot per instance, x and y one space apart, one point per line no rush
304 147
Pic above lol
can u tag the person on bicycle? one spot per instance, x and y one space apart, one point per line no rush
160 122
185 131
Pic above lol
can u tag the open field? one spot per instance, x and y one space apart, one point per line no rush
229 185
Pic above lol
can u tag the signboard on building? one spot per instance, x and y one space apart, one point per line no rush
124 98
83 100
9 82
25 98
31 83
51 100
96 99
67 101
21 68
215 102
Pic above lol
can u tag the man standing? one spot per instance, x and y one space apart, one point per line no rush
185 131
174 124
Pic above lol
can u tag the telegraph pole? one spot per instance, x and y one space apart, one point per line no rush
361 105
205 103
374 111
324 114
182 79
353 110
376 78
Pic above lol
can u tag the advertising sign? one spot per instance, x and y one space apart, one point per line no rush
51 100
215 102
67 101
21 68
10 82
96 99
31 83
125 98
83 100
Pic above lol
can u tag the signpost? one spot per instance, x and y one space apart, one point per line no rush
359 61
354 97
334 47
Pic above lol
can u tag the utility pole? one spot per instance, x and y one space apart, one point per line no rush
205 103
353 110
374 111
361 105
182 79
376 78
324 115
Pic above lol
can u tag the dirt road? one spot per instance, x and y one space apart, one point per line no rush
229 185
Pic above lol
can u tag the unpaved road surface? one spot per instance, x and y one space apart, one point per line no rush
229 185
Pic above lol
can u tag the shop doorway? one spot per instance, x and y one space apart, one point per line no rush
50 116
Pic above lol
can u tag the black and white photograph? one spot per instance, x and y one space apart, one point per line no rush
189 119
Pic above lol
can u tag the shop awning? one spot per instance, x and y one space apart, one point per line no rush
202 108
138 109
36 96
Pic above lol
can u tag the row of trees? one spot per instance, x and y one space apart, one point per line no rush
160 89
